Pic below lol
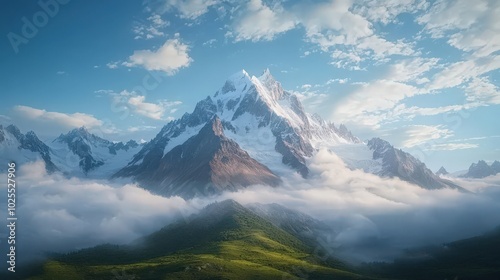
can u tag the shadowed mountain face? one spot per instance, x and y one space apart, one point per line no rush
481 169
442 171
206 164
397 163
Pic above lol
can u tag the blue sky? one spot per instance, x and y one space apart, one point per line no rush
421 74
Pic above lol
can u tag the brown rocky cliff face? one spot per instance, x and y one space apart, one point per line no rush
207 163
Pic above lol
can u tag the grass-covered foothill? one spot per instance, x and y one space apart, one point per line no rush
225 241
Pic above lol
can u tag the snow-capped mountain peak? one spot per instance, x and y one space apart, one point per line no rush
274 88
267 121
21 148
90 152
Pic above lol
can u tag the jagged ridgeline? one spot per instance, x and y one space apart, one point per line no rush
249 132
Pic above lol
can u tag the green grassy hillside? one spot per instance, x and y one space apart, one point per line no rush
225 241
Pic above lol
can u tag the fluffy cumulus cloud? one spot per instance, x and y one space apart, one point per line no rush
61 214
330 25
169 58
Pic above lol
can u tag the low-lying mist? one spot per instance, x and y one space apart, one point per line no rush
373 218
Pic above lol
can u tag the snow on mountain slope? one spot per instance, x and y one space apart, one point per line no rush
21 148
207 163
80 153
264 119
272 126
261 121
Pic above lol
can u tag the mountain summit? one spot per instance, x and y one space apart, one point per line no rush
442 171
252 131
253 114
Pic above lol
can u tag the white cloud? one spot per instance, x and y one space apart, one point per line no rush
306 86
330 25
471 28
66 121
380 217
459 72
411 70
260 22
150 110
340 81
447 15
311 99
415 135
60 73
64 214
482 92
169 58
371 103
112 65
390 213
350 37
210 42
151 28
138 105
140 128
452 146
190 9
386 11
410 112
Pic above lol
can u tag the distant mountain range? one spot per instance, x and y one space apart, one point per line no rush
481 169
250 131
